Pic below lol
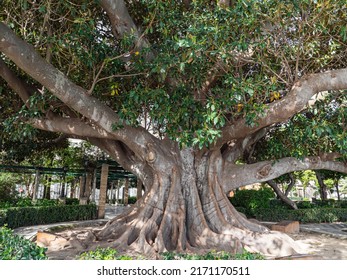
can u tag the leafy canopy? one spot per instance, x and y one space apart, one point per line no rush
211 65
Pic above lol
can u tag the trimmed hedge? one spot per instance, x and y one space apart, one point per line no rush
252 199
312 215
27 216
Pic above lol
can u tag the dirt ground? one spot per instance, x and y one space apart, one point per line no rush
313 244
324 246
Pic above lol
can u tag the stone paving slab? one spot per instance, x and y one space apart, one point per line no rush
112 211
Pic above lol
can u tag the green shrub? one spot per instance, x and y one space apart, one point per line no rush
7 188
2 217
46 202
277 203
6 204
23 202
312 215
213 255
305 205
252 200
72 201
26 216
14 247
103 254
132 200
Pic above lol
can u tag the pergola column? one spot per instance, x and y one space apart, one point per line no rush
94 186
103 191
36 186
126 191
82 199
139 189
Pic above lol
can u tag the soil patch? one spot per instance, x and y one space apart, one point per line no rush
323 245
320 245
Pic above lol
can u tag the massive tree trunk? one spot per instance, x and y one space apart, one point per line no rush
185 208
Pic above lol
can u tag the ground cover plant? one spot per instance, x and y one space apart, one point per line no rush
112 254
15 247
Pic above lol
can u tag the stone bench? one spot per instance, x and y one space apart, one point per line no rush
286 226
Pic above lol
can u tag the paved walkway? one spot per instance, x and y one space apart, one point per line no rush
338 230
29 232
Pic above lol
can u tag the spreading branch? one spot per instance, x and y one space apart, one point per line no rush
271 169
283 109
71 126
281 195
74 96
14 82
123 25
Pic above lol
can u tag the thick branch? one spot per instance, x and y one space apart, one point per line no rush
122 23
290 185
296 100
125 158
234 176
14 82
237 148
281 195
26 58
70 126
24 90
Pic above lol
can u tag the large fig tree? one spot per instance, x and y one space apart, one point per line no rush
180 93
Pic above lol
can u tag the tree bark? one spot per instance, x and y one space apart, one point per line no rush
337 190
185 209
322 186
291 184
281 195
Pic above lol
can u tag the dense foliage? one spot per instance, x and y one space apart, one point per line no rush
38 215
15 247
103 254
313 215
252 199
7 188
213 256
257 48
112 254
27 202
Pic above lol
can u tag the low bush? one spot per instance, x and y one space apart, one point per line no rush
132 200
277 203
26 216
23 202
72 201
14 247
2 217
213 255
103 254
5 204
330 203
251 200
27 202
8 191
311 215
305 205
112 254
